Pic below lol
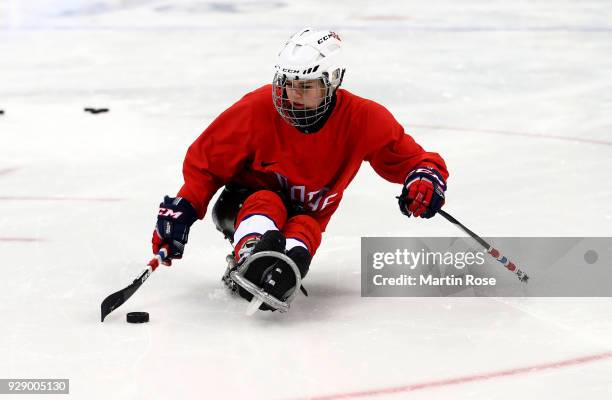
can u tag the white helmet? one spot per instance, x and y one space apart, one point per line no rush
310 61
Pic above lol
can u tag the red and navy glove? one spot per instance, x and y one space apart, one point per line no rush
423 193
175 217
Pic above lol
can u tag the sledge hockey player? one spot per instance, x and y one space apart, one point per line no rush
285 153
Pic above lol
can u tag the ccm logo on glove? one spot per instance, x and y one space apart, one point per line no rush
166 212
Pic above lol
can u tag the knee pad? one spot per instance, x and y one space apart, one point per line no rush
227 207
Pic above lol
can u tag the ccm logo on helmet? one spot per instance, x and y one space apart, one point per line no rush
289 70
331 34
297 71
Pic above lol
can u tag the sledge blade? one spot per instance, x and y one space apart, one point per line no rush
253 306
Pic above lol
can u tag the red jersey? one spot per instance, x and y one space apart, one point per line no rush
252 145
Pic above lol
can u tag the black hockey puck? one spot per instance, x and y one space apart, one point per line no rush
1 112
95 110
137 317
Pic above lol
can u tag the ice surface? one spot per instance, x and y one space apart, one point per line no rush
79 194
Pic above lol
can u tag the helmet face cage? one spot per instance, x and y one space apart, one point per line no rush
309 99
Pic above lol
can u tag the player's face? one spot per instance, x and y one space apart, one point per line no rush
305 94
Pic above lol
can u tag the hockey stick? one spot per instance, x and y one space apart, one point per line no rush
522 276
116 299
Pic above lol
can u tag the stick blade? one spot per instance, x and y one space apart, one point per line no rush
116 299
110 303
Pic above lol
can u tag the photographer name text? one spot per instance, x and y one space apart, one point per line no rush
430 280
